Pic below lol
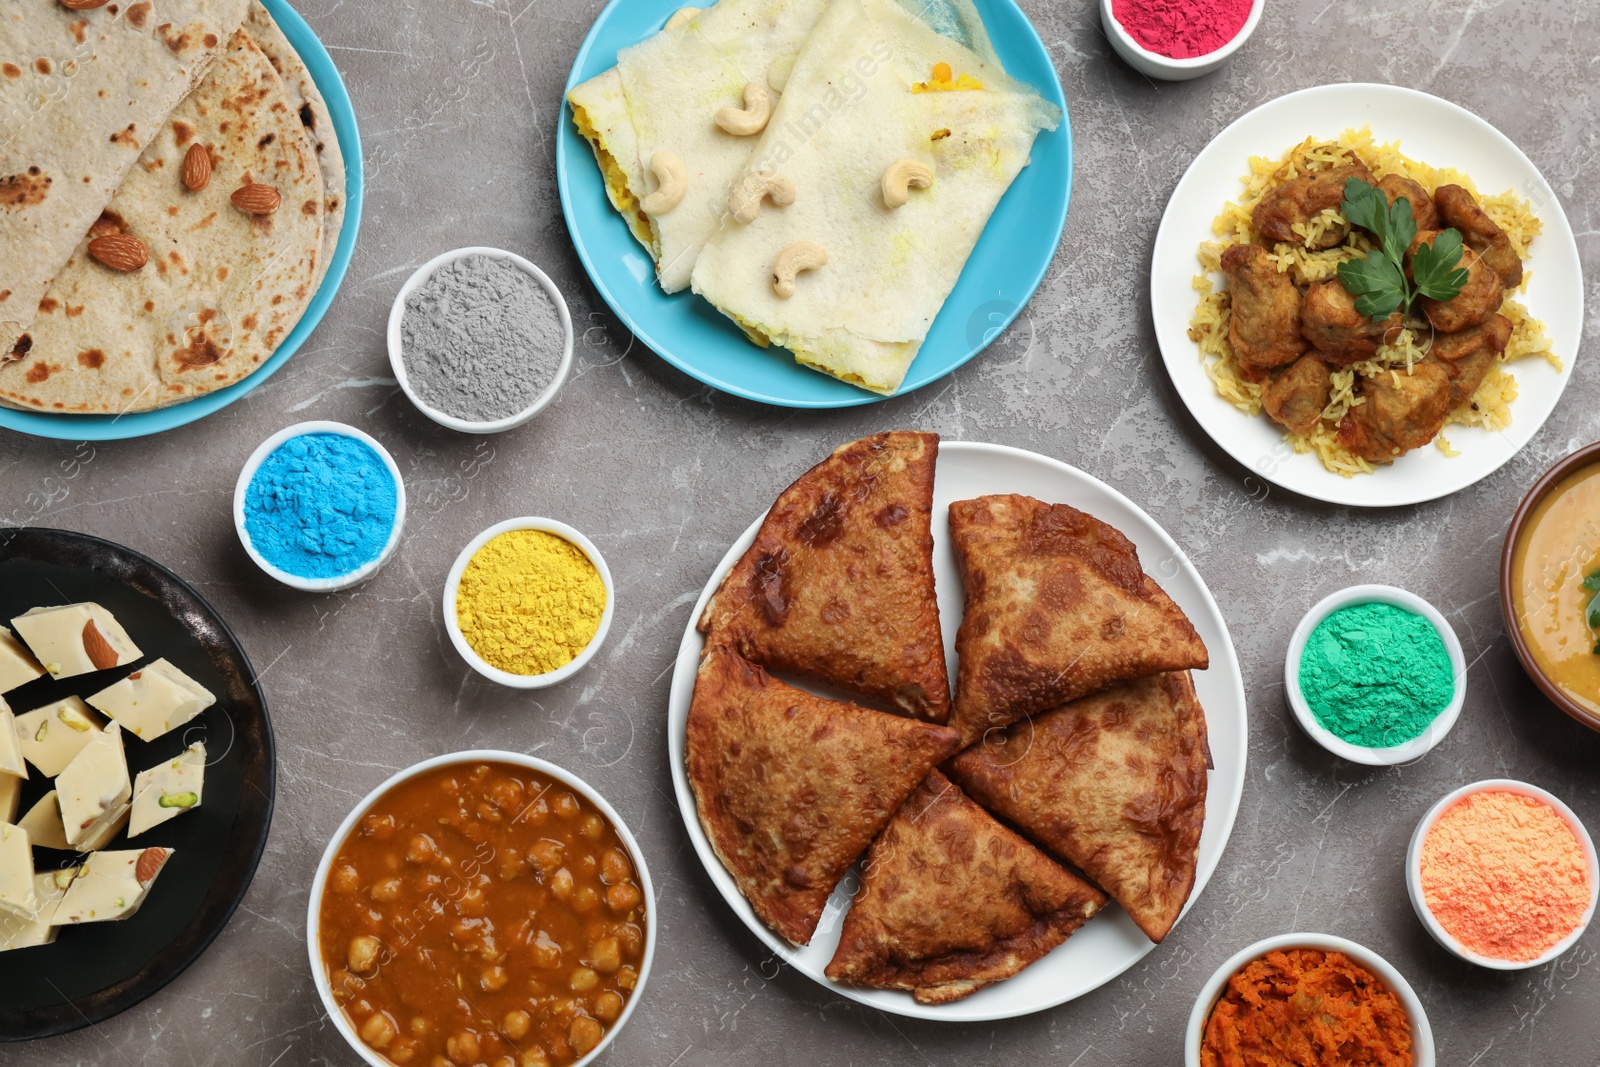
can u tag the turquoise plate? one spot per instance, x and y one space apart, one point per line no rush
140 424
1005 268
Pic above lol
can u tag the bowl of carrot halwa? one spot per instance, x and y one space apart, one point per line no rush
481 908
1311 993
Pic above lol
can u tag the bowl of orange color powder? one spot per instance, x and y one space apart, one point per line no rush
1503 874
1252 1008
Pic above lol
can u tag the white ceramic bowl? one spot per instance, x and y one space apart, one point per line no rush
313 910
397 345
318 585
1154 65
1394 754
527 681
1414 872
1422 1049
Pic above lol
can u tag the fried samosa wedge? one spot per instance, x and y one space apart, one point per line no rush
838 586
1114 784
1057 607
791 788
951 901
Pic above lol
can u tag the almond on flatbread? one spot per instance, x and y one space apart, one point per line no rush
951 901
1057 607
838 586
1114 783
306 101
791 788
222 288
94 86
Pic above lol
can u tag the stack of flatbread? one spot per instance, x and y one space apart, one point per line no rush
821 100
1069 770
133 273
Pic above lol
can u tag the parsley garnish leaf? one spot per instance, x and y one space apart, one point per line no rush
1594 613
1434 267
1378 281
1367 207
1592 583
1379 289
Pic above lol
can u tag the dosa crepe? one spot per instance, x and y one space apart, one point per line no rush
866 94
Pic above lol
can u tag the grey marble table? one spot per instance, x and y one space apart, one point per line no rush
458 103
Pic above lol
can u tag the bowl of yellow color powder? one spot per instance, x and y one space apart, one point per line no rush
528 602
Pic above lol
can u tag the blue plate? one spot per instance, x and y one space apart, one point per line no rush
121 427
1005 268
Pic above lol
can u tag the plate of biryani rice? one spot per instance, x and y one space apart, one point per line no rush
1367 295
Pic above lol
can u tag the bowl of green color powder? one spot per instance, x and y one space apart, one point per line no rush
1375 675
480 340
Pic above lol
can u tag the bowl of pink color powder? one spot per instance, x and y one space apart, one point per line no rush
1176 40
1503 874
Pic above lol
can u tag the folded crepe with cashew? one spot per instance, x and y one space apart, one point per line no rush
221 288
895 144
662 100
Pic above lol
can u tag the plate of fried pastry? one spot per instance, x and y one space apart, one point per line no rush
967 851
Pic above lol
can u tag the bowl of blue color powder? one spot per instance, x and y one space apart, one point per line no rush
320 506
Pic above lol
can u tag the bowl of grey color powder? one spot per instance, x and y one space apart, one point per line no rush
480 340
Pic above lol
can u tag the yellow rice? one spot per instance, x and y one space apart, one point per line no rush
1490 407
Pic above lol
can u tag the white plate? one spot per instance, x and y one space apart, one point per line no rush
1109 944
1431 130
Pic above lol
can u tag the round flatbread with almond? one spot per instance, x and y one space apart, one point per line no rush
307 101
221 286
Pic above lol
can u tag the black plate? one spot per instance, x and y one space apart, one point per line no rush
95 970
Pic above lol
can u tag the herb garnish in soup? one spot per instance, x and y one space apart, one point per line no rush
483 914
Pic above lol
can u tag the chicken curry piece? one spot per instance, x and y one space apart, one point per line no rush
1296 398
1401 412
1340 333
1461 210
1300 200
1264 326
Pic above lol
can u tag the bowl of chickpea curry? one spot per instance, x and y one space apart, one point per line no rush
481 908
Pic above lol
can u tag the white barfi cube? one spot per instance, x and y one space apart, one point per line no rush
52 735
75 639
168 789
38 927
17 665
111 885
10 745
10 796
94 788
153 699
16 870
43 823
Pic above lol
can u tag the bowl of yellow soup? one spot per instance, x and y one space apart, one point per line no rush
1550 584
